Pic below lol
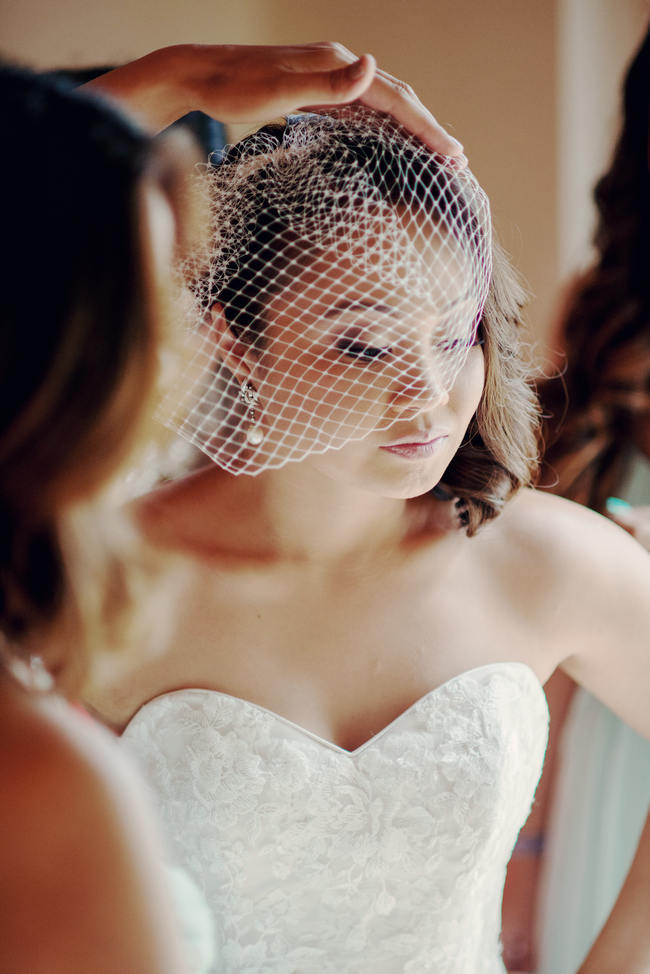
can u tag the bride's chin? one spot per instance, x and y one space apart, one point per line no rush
416 484
410 494
383 475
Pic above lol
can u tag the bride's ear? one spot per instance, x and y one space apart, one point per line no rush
238 357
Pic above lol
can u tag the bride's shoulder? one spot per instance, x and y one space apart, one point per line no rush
572 578
547 517
539 531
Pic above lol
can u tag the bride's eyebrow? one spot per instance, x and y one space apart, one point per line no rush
359 305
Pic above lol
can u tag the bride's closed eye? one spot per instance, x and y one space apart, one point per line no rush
359 351
456 344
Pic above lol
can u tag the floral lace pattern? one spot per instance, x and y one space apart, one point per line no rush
387 859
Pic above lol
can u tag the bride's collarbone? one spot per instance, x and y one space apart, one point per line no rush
331 636
277 576
267 608
383 657
325 625
317 600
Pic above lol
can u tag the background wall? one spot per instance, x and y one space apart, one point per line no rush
595 41
529 86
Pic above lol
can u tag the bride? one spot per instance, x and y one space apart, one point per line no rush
345 726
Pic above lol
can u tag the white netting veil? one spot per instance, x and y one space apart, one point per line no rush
343 286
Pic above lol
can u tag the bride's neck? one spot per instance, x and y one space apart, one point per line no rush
291 514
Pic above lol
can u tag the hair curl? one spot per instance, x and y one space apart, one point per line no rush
498 454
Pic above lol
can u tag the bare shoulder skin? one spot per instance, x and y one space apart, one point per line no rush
596 580
80 887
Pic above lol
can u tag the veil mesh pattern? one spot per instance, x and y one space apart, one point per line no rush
341 289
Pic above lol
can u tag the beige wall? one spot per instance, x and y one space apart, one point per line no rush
490 70
596 39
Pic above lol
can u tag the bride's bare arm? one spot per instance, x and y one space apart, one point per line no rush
600 618
249 83
612 598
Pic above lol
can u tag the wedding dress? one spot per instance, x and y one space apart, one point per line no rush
389 858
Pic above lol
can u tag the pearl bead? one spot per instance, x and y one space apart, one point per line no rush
254 436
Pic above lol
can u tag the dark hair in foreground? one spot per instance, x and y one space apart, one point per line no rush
499 452
78 343
595 409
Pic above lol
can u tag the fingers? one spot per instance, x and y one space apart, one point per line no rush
249 83
388 94
385 94
634 520
621 512
331 87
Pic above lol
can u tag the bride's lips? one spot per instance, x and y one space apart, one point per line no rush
413 449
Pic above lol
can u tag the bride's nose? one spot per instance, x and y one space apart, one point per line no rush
419 387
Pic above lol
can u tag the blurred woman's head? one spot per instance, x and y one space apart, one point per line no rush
83 191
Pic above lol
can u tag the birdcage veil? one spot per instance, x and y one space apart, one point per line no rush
343 283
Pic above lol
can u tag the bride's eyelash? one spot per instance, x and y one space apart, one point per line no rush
360 351
445 345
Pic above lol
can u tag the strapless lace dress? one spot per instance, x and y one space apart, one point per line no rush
317 860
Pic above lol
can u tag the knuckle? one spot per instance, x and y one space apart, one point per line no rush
405 89
337 81
339 50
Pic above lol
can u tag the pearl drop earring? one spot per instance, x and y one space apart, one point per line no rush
248 395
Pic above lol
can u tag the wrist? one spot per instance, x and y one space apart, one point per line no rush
154 88
163 88
173 67
181 71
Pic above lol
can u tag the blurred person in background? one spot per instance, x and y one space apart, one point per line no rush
595 791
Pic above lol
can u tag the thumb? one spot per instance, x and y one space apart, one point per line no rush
335 87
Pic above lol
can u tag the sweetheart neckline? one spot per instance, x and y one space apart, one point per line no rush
323 741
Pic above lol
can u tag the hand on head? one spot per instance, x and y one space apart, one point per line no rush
248 83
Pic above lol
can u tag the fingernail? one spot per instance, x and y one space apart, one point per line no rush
356 70
459 162
615 505
456 143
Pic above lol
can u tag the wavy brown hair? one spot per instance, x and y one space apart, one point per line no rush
498 454
594 411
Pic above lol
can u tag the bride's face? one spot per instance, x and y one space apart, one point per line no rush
371 376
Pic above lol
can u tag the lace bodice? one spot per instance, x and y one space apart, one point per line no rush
389 858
